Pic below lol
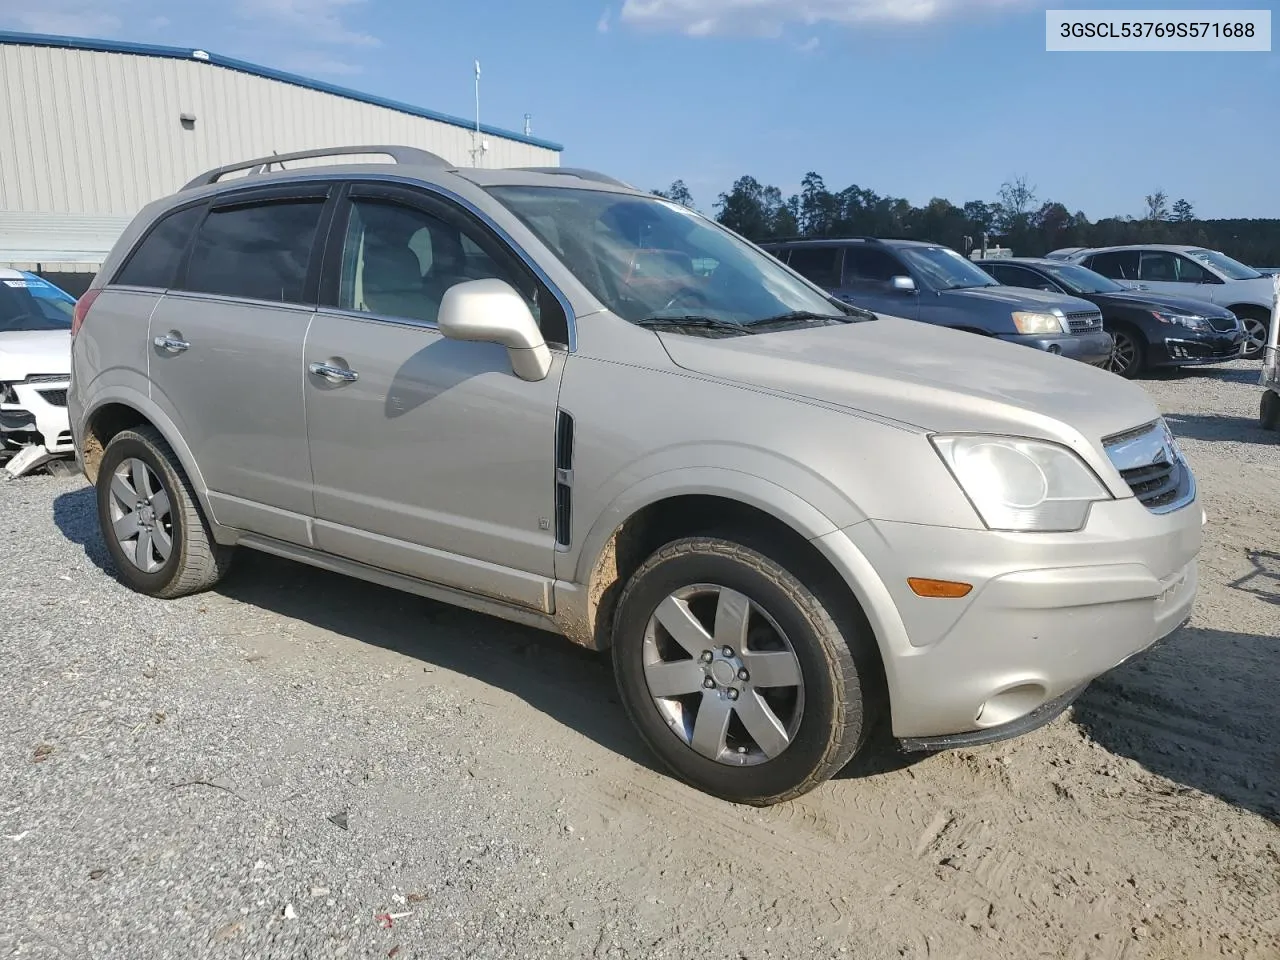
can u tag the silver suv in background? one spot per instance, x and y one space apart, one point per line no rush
545 395
1187 271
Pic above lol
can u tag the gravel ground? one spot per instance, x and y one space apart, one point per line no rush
299 765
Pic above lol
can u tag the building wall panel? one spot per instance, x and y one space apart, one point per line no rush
90 132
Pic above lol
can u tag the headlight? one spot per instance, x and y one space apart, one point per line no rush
1189 320
1022 485
1041 323
6 394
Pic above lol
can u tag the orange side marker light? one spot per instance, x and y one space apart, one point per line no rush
939 589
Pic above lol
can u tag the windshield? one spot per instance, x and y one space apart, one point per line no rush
646 258
1231 269
945 269
34 304
1079 279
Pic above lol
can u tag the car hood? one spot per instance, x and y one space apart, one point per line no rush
1201 308
931 378
1024 298
1258 291
26 352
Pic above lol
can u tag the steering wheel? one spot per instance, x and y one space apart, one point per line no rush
690 293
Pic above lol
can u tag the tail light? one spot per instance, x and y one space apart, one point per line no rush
82 309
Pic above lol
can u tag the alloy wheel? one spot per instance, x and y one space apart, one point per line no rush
141 515
723 675
1124 353
1256 336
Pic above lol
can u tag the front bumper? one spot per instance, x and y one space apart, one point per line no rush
39 418
1093 348
1048 613
1191 349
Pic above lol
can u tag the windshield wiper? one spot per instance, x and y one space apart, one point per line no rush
794 317
692 321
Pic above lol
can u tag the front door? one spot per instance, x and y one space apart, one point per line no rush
225 347
430 457
868 282
1172 273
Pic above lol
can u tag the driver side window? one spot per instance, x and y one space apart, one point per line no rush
399 261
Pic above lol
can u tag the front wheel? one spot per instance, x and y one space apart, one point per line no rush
1127 354
1255 326
737 675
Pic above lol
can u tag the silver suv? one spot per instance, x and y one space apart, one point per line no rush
547 396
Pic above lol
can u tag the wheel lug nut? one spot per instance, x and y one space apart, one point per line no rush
733 694
743 675
727 652
707 656
709 683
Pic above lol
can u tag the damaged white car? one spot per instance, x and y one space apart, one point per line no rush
35 372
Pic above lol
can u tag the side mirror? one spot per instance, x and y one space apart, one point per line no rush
491 311
904 284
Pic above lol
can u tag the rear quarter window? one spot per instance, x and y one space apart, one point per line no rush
155 261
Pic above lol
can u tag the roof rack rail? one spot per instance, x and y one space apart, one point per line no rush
405 155
580 173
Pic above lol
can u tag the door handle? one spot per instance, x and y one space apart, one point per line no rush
172 344
334 374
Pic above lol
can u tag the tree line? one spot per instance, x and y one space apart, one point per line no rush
1016 219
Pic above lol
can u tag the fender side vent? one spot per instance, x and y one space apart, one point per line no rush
564 480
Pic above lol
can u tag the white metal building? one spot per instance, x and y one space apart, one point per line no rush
91 130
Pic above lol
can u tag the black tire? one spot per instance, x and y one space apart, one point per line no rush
1269 411
840 700
1251 317
1128 354
195 562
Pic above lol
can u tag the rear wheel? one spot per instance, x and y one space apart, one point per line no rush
1128 353
736 673
151 519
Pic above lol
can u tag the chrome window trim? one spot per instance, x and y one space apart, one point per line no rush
366 316
291 305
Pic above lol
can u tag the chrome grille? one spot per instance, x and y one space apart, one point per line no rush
1084 322
1151 464
55 398
47 378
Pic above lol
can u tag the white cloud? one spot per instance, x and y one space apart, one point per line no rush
809 46
699 18
318 21
605 22
79 18
318 65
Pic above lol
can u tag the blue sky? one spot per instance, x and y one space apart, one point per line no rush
912 98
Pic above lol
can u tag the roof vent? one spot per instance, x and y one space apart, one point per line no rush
199 55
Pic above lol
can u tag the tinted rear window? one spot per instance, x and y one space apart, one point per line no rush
1118 265
155 262
819 264
257 252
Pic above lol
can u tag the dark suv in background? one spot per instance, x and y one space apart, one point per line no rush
934 284
1150 329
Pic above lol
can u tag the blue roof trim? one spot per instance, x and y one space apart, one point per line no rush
242 66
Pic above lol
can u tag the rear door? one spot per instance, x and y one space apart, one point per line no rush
868 282
1119 265
226 353
430 457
